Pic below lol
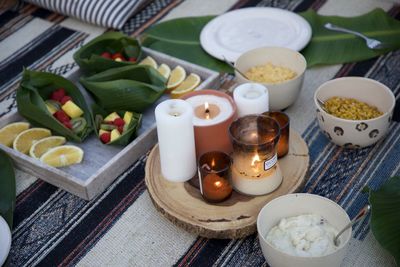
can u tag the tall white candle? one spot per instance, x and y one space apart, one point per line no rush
175 131
251 98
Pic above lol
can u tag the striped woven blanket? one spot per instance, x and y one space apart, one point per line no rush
121 227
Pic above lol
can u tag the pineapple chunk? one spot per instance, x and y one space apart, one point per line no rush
128 117
102 131
115 135
72 109
51 109
111 117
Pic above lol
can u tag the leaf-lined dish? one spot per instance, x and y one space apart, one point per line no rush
127 88
33 93
109 50
117 127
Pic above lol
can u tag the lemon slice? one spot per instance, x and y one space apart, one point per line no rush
188 85
10 131
149 61
62 156
177 76
43 145
27 138
164 70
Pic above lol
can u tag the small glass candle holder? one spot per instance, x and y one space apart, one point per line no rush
255 169
214 176
284 124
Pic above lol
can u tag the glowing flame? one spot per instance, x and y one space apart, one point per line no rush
213 163
218 184
255 159
206 107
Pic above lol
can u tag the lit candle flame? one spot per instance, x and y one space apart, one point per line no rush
207 111
255 159
213 163
218 184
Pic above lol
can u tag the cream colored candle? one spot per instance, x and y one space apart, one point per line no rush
176 142
251 98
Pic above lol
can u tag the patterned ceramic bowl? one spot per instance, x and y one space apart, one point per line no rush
281 95
355 133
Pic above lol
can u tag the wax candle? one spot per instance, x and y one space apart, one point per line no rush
251 98
214 111
174 119
214 176
255 168
284 124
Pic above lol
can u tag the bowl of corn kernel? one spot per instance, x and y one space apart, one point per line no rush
356 112
279 69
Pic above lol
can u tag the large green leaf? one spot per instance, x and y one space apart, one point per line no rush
34 88
127 88
89 59
330 47
385 216
180 38
7 188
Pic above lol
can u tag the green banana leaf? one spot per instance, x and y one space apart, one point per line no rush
385 216
330 47
89 59
7 188
127 88
35 88
128 135
181 38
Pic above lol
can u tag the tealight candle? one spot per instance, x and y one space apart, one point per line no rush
214 111
251 98
255 168
214 176
175 132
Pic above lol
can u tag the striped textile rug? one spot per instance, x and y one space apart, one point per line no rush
121 227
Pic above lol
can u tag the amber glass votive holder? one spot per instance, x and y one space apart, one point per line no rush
284 124
214 176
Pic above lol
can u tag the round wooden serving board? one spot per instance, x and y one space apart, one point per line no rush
236 217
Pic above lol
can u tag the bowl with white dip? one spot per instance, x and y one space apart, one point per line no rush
298 230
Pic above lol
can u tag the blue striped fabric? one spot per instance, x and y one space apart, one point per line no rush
105 13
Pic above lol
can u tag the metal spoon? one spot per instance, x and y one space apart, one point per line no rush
371 43
322 105
230 64
359 216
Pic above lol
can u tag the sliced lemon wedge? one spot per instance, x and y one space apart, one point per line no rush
178 75
164 70
43 145
149 61
27 138
62 156
188 85
9 132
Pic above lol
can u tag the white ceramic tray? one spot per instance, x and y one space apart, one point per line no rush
103 164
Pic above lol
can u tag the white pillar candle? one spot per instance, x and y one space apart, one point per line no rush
251 98
175 132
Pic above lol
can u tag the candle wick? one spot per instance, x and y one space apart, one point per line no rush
207 110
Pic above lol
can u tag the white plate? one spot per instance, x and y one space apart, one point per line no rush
5 240
236 32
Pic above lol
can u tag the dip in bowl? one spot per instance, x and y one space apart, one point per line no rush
292 205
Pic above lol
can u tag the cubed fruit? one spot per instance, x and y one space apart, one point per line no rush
120 129
128 117
72 109
105 137
61 116
115 135
65 99
132 59
58 94
106 55
111 117
119 122
101 131
67 124
52 106
118 57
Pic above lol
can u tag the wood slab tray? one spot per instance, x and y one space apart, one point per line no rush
102 164
183 205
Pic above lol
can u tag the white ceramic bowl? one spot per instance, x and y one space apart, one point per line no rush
5 240
283 94
299 204
355 133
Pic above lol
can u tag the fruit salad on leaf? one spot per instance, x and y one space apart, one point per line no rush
116 127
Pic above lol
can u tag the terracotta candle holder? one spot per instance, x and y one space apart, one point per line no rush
214 111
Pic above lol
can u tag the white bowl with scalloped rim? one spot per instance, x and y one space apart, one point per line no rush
355 133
